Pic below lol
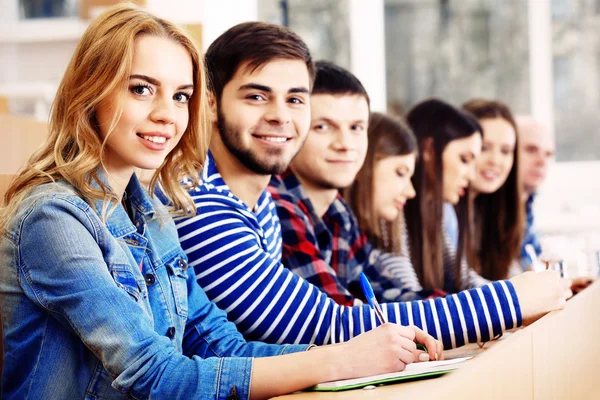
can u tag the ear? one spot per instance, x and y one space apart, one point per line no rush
212 108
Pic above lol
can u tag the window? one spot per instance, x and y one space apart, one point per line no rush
456 50
576 73
323 24
29 9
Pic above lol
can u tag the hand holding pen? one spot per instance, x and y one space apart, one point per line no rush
428 347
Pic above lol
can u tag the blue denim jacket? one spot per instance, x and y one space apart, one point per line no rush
110 310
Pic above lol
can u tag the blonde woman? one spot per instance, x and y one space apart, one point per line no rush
95 293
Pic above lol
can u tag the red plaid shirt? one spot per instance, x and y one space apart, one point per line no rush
329 251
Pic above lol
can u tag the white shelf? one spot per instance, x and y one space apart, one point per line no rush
42 30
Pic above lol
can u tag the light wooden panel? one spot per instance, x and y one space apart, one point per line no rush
566 351
195 31
19 138
4 105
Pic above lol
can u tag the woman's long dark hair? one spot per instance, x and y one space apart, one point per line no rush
435 124
388 137
501 212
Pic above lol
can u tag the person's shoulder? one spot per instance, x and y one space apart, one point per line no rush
52 194
207 194
58 199
280 193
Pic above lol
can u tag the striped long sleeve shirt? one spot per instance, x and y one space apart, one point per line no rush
236 254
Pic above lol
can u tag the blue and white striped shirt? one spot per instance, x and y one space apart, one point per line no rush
236 255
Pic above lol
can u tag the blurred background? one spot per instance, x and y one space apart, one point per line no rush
541 57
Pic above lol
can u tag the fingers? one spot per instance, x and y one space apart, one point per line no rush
406 331
422 356
439 350
434 347
406 356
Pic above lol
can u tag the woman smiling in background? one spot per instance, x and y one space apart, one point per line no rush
498 211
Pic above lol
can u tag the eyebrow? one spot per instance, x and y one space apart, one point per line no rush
267 89
332 122
156 82
324 119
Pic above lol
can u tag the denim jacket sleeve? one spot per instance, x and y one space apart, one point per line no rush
61 267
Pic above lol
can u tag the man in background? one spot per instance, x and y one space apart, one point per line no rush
536 149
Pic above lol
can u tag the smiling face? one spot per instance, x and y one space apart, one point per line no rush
458 159
155 107
392 185
264 115
336 145
497 155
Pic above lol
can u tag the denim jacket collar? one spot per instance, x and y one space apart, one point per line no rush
118 222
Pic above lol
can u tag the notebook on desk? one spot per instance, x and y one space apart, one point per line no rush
412 371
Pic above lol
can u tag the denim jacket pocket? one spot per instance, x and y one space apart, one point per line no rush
178 275
125 279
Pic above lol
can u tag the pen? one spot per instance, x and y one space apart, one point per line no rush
368 292
534 259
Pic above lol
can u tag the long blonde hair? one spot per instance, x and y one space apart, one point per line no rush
74 149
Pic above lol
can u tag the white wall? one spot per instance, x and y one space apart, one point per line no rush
367 49
223 14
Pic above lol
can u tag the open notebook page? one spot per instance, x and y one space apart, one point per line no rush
414 370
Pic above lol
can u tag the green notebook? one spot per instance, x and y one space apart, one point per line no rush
412 371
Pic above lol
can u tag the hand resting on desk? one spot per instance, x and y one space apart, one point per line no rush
540 292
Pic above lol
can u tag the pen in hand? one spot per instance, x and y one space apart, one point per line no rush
370 296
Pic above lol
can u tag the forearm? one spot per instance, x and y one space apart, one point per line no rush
274 376
470 316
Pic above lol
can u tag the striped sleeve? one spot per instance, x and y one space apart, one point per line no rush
269 303
399 269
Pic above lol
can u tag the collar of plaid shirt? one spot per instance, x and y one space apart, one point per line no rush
337 215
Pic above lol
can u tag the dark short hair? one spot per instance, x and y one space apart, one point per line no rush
252 45
335 80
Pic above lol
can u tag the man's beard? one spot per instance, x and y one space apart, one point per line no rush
249 159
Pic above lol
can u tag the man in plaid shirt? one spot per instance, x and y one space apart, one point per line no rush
329 251
322 241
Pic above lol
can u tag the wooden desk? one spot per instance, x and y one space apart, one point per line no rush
566 349
537 362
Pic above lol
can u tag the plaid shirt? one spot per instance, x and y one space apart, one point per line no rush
531 236
329 251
